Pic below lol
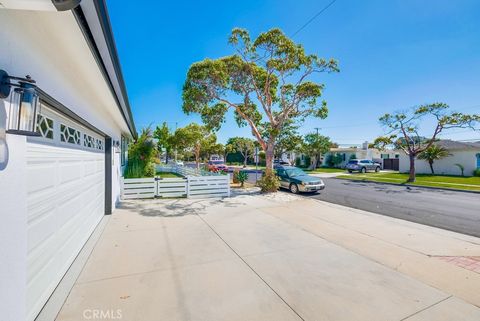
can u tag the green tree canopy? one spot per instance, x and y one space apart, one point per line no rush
403 129
314 146
194 138
245 146
164 139
266 84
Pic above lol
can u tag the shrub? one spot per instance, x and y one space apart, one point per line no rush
476 172
134 169
141 156
241 177
298 162
269 183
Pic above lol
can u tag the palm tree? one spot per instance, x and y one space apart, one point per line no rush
432 154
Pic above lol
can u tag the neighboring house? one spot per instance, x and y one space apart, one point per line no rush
466 154
55 188
363 152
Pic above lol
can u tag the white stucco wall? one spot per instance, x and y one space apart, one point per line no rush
50 47
445 166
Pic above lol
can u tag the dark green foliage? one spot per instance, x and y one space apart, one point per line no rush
241 177
269 183
141 156
476 172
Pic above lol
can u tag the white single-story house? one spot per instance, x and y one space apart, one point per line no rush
463 153
363 152
63 134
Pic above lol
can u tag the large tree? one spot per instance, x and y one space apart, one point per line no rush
315 145
403 129
194 138
244 146
266 84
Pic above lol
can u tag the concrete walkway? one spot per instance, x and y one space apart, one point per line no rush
273 257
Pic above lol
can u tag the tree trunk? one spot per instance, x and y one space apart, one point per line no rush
269 155
313 163
431 167
245 158
411 177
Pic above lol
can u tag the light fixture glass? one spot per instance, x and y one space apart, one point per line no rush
24 109
24 103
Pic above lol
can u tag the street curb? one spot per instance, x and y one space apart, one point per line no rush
409 185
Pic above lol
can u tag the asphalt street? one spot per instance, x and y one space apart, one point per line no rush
450 210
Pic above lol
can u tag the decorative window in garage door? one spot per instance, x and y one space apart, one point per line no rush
88 141
56 129
45 126
69 135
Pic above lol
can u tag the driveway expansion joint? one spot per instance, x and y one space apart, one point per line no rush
250 267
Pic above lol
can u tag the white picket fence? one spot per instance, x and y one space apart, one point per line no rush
190 187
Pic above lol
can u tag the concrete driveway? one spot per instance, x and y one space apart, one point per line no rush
273 257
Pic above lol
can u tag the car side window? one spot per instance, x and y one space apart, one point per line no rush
281 172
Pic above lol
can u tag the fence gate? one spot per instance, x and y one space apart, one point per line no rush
172 187
391 163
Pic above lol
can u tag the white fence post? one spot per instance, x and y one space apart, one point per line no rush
188 186
228 184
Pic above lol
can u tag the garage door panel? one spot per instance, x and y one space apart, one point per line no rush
41 177
66 200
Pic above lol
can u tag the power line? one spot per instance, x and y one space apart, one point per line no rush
313 18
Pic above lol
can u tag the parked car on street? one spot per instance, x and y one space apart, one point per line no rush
362 166
176 163
217 165
296 180
279 162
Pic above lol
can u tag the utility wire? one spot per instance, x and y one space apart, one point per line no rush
313 18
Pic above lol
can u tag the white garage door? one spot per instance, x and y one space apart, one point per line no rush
65 181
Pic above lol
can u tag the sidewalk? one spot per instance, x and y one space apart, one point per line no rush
274 257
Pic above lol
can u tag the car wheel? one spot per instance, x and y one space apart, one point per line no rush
377 169
294 188
350 171
363 170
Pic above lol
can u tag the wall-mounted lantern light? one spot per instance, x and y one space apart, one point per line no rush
24 104
116 146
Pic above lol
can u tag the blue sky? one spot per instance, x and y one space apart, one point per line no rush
392 55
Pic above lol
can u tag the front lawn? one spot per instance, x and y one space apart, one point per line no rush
444 181
168 175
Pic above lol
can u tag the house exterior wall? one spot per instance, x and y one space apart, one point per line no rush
50 47
445 166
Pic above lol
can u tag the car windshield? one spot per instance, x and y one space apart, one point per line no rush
353 162
216 162
292 172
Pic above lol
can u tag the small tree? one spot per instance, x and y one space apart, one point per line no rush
164 139
432 154
461 168
245 146
315 146
194 138
403 129
264 83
